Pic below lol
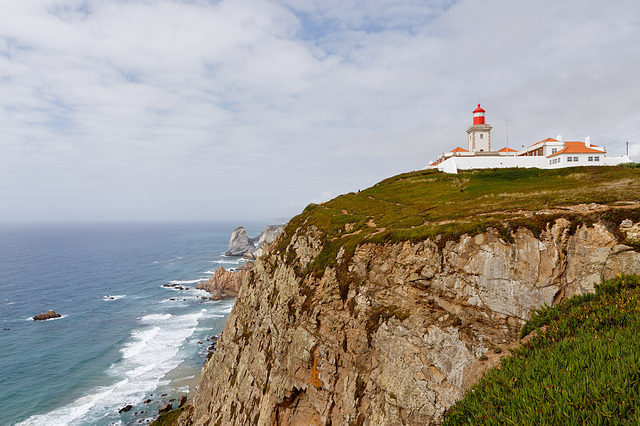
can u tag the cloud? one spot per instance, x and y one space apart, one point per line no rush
634 152
148 108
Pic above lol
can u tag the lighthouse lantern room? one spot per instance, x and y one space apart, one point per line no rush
479 133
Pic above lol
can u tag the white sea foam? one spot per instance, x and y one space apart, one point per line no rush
199 280
110 297
230 260
152 351
173 300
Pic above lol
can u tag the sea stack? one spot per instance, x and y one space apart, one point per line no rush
46 315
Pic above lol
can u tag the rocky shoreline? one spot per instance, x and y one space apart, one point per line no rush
223 284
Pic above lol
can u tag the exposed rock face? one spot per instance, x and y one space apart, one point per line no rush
239 243
223 283
251 248
398 343
269 235
46 315
182 400
631 230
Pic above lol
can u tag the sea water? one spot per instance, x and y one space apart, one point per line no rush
124 337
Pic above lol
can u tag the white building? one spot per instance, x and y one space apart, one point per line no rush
546 154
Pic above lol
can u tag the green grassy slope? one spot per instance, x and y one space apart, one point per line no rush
582 367
426 204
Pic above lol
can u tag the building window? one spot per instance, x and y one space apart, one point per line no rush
481 135
590 159
596 158
554 150
569 158
575 159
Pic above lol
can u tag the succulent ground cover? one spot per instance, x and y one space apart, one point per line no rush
582 367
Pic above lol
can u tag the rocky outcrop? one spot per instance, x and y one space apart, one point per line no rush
125 409
269 235
165 408
251 248
46 315
239 243
391 334
182 400
226 284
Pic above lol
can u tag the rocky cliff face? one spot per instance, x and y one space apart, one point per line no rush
392 333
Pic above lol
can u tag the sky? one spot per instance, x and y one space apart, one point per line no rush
190 110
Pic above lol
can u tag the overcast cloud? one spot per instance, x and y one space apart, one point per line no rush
238 109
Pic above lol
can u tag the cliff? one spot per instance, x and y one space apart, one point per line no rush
374 308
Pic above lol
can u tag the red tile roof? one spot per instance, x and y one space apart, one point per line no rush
458 149
546 140
576 148
508 150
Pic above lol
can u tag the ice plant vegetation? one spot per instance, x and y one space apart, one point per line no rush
581 367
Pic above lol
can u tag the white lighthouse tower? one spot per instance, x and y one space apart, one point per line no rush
479 132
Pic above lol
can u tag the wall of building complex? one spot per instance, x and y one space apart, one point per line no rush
453 164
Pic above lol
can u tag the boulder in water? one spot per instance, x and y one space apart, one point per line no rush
46 315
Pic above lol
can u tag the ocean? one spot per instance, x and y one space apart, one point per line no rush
124 337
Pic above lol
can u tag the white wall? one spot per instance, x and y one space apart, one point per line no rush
468 163
452 165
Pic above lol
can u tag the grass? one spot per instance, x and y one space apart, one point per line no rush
582 367
430 204
168 419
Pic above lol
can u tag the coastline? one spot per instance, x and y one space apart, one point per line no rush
105 354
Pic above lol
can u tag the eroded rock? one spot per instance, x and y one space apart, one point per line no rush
225 284
399 341
46 315
165 408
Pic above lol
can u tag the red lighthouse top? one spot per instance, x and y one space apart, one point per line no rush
478 115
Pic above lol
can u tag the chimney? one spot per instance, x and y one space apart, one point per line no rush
587 142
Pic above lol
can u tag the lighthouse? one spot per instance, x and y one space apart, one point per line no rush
479 132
